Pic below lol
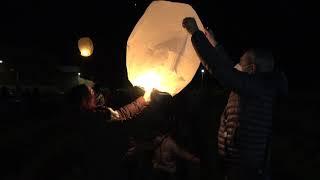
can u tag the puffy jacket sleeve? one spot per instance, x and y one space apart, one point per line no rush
129 111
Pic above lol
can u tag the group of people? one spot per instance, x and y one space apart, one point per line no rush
164 149
85 148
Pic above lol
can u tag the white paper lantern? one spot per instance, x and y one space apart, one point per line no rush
85 46
159 50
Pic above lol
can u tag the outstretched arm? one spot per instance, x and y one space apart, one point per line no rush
219 64
129 111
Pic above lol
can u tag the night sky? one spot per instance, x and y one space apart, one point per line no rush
46 33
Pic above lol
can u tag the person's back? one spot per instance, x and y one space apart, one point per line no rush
250 114
164 154
247 157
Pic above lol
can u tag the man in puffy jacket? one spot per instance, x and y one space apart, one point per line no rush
248 154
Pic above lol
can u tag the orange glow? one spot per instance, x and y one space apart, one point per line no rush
85 46
160 54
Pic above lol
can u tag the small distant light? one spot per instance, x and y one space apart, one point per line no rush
202 70
1 61
135 4
79 74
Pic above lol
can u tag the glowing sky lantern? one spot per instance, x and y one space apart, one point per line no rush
85 46
159 50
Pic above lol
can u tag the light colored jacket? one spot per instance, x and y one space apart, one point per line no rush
166 153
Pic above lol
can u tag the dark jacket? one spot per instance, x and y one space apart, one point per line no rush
258 93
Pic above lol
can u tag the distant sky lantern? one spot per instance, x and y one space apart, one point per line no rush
85 46
159 50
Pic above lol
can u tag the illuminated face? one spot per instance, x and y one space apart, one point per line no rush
247 62
89 103
247 58
91 98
